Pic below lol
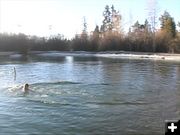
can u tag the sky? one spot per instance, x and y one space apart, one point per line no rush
51 17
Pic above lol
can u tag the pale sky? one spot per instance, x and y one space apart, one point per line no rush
49 17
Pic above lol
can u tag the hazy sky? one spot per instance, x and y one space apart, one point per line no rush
47 17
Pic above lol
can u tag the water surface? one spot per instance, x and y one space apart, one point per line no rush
87 95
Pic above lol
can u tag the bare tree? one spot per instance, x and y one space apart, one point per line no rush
115 20
152 18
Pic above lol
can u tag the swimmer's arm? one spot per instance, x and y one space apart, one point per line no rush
16 88
30 90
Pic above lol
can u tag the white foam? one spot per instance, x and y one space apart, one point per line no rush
120 54
141 56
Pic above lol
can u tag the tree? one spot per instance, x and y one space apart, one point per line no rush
147 26
178 24
152 14
166 36
96 32
84 31
141 37
115 20
141 29
167 24
107 25
136 27
164 18
111 22
93 46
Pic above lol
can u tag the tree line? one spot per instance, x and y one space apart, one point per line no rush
107 37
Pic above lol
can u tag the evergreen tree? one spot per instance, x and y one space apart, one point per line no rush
95 39
107 26
167 24
136 27
84 26
84 31
164 18
111 22
96 30
147 26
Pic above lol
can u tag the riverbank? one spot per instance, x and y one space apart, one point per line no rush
107 54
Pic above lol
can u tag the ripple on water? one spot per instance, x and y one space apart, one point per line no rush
106 97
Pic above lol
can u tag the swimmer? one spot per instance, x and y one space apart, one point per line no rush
26 89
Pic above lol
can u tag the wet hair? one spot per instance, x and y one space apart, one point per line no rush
26 85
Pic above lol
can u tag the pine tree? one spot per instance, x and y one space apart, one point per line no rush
95 39
136 27
96 30
111 22
107 26
147 26
84 26
84 31
167 24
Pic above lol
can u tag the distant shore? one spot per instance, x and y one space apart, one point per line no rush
106 54
143 55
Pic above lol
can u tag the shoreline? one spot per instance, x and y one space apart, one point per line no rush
143 55
105 54
116 55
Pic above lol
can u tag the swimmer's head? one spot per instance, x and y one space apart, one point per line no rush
26 87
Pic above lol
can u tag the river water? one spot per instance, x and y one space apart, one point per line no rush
87 95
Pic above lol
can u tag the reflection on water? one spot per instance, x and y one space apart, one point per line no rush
88 95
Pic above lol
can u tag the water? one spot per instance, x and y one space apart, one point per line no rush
87 95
